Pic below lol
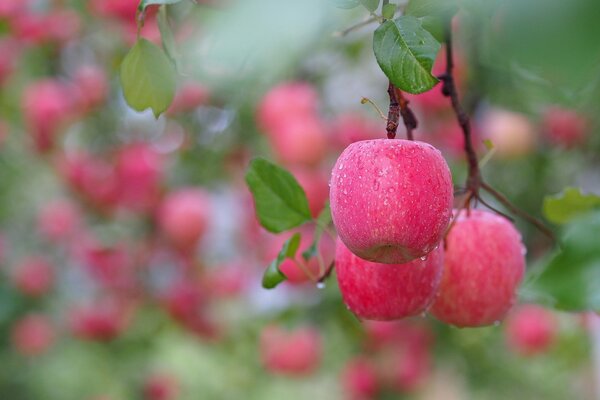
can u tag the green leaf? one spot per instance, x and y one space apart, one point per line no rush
145 3
569 204
148 78
273 276
281 203
388 11
426 8
405 52
570 279
346 4
370 5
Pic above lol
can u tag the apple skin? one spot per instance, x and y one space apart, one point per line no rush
359 378
391 200
565 128
377 291
484 262
292 353
530 329
284 101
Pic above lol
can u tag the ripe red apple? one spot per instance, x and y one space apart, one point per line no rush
34 276
387 291
530 329
189 96
295 353
391 200
101 321
32 335
484 262
183 217
566 128
289 100
160 387
58 220
359 379
300 141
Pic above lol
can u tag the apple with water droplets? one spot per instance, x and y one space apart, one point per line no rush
391 200
387 291
484 261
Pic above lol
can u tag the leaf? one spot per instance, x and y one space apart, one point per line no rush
570 279
281 203
370 5
346 4
167 38
405 52
323 221
388 11
145 3
273 276
426 8
148 78
563 207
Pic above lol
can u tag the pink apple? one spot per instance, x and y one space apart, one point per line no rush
512 134
483 266
32 335
359 379
189 96
183 217
566 128
300 141
102 321
315 185
296 352
410 367
391 200
91 86
295 100
387 291
34 276
59 220
530 329
350 128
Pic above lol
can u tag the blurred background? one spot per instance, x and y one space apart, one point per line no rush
130 255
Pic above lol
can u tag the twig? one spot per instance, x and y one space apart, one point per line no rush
516 211
393 118
366 100
327 273
356 26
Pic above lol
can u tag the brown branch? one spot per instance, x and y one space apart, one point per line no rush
517 211
326 274
399 108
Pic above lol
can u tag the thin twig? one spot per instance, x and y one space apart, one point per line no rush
356 26
327 273
516 211
366 100
508 217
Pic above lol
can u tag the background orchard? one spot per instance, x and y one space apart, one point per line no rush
134 259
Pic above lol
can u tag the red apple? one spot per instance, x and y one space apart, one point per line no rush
566 128
32 335
359 378
288 100
512 134
34 276
530 329
387 291
101 321
58 220
483 266
296 352
300 141
183 217
391 200
160 387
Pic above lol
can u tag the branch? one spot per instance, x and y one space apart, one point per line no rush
399 107
516 211
327 273
356 26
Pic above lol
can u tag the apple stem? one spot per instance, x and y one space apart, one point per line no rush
399 107
474 180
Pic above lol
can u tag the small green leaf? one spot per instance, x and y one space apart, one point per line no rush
569 204
346 4
488 144
388 11
570 279
145 3
426 8
405 52
370 5
148 78
281 203
273 276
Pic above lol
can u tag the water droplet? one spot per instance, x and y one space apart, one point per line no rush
376 185
345 191
320 285
423 314
341 166
496 323
424 258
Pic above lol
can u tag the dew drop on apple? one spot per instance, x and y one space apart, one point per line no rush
376 185
320 285
424 258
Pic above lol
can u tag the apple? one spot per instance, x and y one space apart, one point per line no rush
359 378
387 291
391 200
189 96
530 329
34 276
315 185
288 100
295 353
183 217
350 128
101 321
484 262
58 220
91 85
32 335
300 141
160 387
564 127
512 134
